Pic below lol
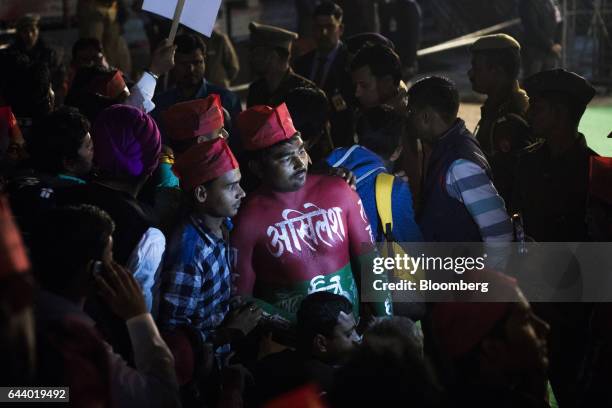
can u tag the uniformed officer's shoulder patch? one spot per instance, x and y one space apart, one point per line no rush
512 118
27 181
534 147
510 132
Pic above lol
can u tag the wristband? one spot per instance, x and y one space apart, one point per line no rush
166 158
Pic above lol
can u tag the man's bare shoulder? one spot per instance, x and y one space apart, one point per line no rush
325 181
331 187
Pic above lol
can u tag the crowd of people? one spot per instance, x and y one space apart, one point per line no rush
171 247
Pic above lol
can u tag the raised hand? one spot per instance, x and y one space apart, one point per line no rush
163 58
120 291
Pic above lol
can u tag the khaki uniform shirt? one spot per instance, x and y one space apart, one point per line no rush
260 95
502 133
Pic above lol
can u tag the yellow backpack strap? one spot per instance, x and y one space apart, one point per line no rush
384 188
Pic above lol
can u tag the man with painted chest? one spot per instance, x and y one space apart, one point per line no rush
297 233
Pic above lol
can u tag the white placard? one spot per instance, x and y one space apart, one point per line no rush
199 15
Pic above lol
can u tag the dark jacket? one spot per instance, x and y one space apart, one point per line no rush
338 87
551 192
443 218
260 95
41 53
32 193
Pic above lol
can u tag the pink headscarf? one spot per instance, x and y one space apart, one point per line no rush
126 142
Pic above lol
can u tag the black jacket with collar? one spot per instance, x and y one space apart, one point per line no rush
337 84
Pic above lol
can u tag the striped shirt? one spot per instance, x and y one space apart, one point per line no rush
468 183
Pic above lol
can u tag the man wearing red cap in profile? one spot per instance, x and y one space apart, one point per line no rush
495 352
296 234
196 282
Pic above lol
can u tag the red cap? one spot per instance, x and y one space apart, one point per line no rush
7 123
188 120
307 396
203 162
7 118
459 326
13 258
600 174
110 85
262 126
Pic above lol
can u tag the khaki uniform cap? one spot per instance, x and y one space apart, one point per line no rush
270 36
495 42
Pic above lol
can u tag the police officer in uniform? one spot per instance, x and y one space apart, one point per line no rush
327 67
270 53
552 176
551 194
502 130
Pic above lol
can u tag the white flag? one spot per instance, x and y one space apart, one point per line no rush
199 15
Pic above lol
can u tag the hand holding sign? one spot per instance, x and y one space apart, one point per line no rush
199 15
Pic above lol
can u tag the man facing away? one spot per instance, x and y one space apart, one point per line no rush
460 202
380 130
